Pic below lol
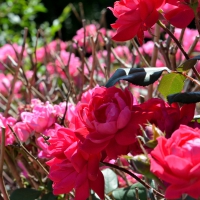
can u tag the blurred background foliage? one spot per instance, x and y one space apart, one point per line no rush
57 18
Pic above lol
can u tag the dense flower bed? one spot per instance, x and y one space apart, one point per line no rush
72 111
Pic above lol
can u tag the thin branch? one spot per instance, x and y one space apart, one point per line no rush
2 185
16 73
119 59
154 58
135 177
13 170
27 152
139 53
179 46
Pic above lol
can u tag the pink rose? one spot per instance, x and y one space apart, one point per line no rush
41 118
176 161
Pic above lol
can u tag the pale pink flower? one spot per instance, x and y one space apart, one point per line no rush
23 131
42 117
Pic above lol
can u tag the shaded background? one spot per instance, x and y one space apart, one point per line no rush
53 16
92 11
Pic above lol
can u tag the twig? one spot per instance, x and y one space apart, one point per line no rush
179 46
13 169
119 60
135 177
139 53
154 58
193 45
188 77
75 12
16 73
93 62
26 151
2 185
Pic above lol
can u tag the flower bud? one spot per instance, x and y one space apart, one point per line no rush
150 134
142 165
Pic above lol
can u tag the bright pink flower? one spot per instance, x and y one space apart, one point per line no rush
23 131
70 115
42 117
176 161
182 10
90 30
62 139
10 50
43 151
135 17
86 96
9 137
81 174
107 115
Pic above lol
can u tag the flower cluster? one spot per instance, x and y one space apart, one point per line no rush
71 113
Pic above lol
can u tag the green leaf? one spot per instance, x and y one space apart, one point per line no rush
111 181
49 185
25 193
188 64
49 196
171 83
128 193
65 14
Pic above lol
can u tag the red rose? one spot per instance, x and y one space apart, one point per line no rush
182 10
106 115
134 17
176 161
166 117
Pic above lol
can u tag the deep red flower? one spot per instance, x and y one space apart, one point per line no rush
156 111
134 17
107 114
81 174
182 14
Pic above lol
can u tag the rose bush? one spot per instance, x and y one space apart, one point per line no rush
176 161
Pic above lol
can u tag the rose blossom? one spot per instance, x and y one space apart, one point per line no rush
134 17
176 161
77 171
164 116
107 115
182 9
42 117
